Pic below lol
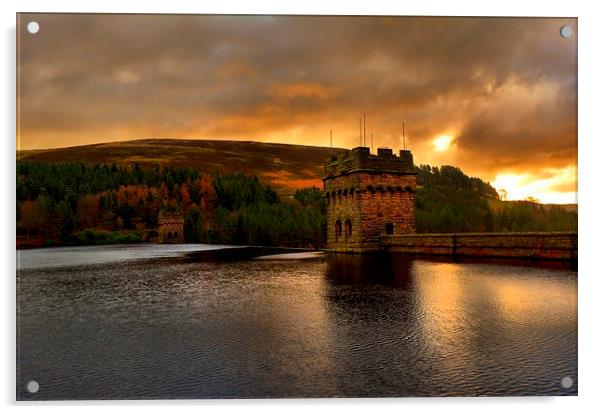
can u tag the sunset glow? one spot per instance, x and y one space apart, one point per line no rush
442 142
107 78
560 186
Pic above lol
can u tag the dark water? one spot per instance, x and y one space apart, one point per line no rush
203 326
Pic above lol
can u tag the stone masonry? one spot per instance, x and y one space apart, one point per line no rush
370 207
536 245
171 228
368 196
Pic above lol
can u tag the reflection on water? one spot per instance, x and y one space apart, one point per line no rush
377 269
201 325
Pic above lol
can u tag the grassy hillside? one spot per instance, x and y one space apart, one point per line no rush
102 194
286 167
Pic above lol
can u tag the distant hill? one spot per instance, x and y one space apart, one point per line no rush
60 200
287 167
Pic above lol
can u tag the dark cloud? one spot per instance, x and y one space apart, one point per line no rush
507 87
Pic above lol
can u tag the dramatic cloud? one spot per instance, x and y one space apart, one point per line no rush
503 90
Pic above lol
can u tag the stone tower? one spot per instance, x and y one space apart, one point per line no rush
171 228
368 196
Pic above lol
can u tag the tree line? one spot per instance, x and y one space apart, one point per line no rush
76 203
449 201
73 203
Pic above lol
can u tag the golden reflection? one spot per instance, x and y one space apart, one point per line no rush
441 303
519 300
440 299
452 299
449 301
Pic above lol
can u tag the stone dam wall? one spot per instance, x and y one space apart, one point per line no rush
554 245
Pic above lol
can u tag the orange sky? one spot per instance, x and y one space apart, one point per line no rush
493 96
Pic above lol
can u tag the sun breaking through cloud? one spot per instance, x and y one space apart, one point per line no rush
506 86
442 142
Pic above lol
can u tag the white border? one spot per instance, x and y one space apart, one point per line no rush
590 71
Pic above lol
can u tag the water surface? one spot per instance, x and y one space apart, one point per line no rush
198 324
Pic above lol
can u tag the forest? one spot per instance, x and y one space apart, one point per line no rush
75 203
448 201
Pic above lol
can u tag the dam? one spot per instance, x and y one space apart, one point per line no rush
370 208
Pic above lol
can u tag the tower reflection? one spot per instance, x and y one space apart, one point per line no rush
369 269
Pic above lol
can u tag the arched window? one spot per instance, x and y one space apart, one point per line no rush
347 228
388 229
338 229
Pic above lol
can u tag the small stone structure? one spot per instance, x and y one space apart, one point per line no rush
368 196
171 228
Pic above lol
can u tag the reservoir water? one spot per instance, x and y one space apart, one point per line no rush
195 321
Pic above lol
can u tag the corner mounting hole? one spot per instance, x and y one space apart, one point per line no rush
566 31
566 382
33 387
33 27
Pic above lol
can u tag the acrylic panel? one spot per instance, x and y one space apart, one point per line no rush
229 206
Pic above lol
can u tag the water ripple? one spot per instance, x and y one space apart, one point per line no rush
318 327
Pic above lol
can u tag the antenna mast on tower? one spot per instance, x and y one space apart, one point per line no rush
364 129
403 134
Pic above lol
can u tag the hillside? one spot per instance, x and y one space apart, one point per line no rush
450 201
62 200
287 167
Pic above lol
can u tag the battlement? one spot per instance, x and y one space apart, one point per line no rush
368 196
359 159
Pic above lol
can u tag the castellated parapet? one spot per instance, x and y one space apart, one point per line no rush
368 196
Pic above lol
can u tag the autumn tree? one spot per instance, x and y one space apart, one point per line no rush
44 210
207 196
88 210
185 199
30 219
